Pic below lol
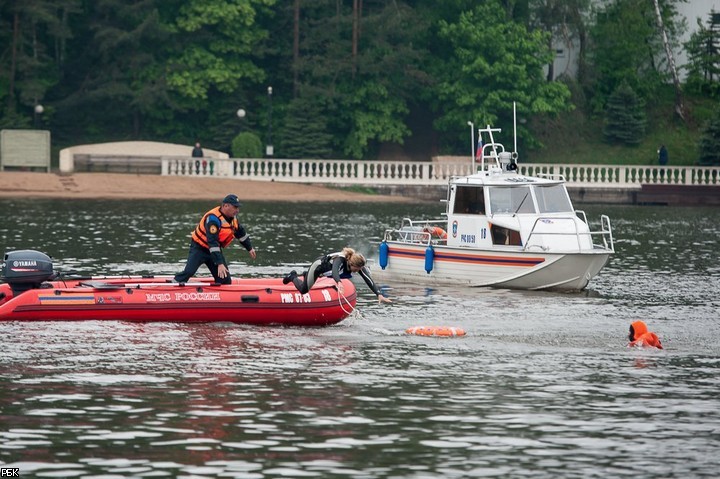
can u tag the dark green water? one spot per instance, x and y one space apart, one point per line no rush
542 386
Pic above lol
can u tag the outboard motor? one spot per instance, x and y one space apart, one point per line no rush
26 269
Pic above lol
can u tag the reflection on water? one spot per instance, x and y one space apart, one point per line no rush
542 385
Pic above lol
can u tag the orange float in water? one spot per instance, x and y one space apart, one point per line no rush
444 331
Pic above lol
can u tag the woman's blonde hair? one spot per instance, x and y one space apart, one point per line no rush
353 258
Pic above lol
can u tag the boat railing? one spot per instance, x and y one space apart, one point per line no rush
608 242
552 176
416 232
424 223
490 156
605 232
407 235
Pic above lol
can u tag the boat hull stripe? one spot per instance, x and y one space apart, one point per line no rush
469 259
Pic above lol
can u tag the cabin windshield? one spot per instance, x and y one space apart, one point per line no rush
511 199
469 200
553 199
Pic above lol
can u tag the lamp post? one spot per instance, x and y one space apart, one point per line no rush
268 146
473 153
37 111
241 115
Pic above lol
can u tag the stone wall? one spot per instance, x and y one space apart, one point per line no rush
126 151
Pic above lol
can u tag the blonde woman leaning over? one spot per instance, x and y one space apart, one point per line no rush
336 266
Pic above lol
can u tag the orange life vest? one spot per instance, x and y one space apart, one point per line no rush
643 337
225 234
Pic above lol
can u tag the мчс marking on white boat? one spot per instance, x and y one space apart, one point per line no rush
503 230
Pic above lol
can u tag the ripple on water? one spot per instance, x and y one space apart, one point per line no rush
542 386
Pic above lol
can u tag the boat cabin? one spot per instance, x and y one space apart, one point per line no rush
507 209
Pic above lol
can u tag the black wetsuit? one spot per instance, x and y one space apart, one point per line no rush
334 266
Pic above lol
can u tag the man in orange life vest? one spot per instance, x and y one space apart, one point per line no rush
216 230
640 336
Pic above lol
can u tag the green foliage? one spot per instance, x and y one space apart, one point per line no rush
704 59
247 145
625 120
171 70
578 138
15 120
119 87
562 20
305 134
216 39
491 62
626 46
367 95
375 114
33 36
710 142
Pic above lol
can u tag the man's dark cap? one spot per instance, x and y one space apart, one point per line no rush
232 199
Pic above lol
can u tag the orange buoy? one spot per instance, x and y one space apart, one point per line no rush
444 331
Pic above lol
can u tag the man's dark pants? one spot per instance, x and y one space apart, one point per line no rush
197 257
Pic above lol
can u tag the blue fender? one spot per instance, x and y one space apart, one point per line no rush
384 253
429 258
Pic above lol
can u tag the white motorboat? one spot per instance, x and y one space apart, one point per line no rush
501 229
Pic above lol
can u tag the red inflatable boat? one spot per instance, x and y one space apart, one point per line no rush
33 293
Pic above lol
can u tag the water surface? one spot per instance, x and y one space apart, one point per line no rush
542 386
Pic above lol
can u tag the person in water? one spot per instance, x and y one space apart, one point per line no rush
640 336
216 230
336 266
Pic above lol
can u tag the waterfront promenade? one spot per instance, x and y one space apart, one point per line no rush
341 180
621 184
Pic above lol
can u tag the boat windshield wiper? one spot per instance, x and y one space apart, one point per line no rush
521 203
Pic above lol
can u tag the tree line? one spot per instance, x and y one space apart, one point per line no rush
329 79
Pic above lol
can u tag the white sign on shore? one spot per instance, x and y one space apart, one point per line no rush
25 149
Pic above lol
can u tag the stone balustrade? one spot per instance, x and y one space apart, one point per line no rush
353 172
